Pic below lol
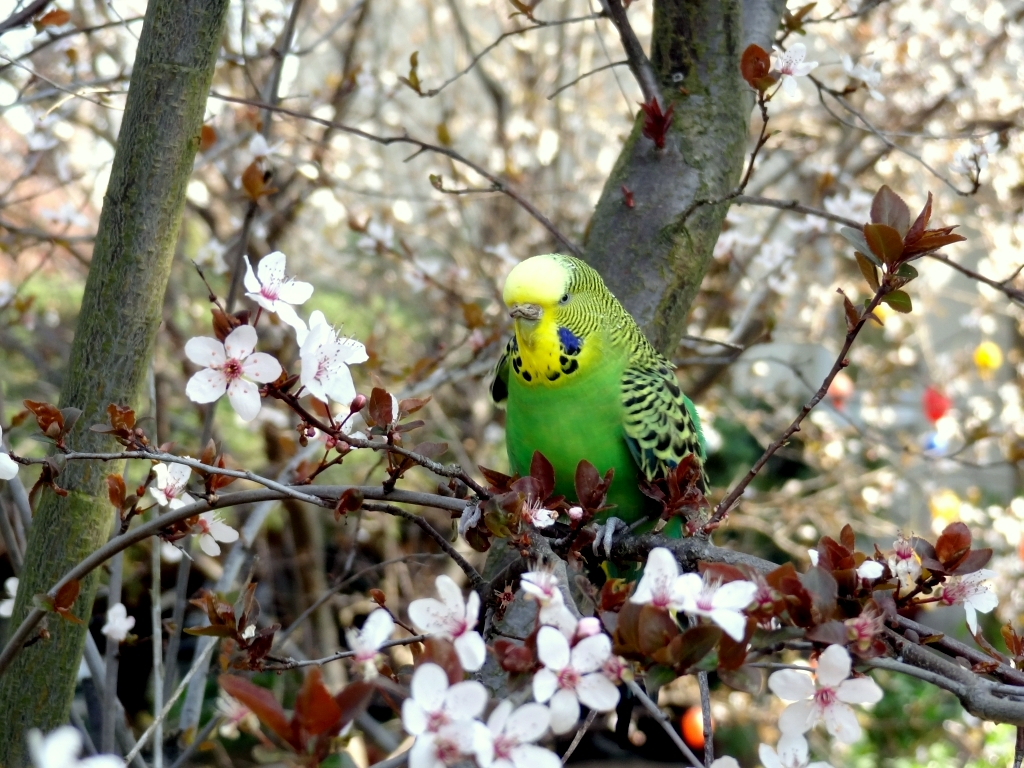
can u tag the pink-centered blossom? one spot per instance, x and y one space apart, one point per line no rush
171 481
827 701
268 287
971 592
904 563
367 640
572 676
8 466
326 359
453 618
724 604
790 65
231 367
542 585
535 513
434 705
450 745
864 629
235 717
212 529
660 585
507 741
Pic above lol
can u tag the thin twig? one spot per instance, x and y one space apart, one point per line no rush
841 362
639 64
591 716
422 146
283 664
585 75
664 722
705 709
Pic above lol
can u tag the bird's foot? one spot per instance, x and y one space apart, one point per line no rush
605 533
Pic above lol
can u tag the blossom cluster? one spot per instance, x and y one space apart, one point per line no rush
233 366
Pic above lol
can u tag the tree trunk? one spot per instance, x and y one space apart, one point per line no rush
653 256
114 339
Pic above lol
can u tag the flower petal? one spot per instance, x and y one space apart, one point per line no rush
528 723
340 387
202 350
471 650
430 616
271 269
262 367
465 700
206 386
450 594
859 690
545 683
532 756
598 692
245 399
295 292
791 685
553 648
353 352
734 623
798 717
377 628
8 467
591 652
429 686
209 545
240 343
251 283
842 723
414 718
736 595
499 717
769 758
289 316
833 666
565 711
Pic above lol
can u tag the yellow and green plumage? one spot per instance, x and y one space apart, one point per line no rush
580 381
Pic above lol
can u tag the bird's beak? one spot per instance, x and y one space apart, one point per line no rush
525 312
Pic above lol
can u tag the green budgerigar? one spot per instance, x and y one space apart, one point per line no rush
580 381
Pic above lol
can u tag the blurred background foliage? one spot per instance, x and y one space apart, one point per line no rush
926 425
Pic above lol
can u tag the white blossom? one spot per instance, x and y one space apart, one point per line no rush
326 360
792 753
366 642
268 288
790 65
119 623
725 762
60 749
8 466
211 530
448 746
542 586
660 585
171 480
722 603
972 158
376 235
235 717
434 704
453 618
231 367
870 76
828 701
870 569
507 740
571 677
971 592
7 605
904 563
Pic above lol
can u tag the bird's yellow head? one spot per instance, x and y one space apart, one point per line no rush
558 304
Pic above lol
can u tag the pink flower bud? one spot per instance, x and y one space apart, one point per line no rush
358 403
588 625
575 513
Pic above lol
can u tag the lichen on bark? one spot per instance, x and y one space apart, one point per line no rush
653 256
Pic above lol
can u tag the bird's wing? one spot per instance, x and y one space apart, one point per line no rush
499 387
660 422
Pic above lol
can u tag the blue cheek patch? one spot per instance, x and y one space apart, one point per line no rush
570 342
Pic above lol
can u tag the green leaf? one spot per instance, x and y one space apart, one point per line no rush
898 300
907 272
885 242
867 268
888 208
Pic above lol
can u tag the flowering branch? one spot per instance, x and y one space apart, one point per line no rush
280 664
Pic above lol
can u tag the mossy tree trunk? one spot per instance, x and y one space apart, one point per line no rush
653 256
114 339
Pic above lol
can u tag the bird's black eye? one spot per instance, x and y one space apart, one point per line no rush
564 299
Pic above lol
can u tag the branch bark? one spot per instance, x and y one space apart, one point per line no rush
114 339
652 256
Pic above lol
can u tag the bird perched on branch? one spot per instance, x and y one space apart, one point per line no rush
580 381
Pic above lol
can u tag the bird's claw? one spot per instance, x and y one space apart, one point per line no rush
605 533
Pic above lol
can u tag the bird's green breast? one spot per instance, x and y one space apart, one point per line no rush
579 419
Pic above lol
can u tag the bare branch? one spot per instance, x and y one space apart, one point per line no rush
639 64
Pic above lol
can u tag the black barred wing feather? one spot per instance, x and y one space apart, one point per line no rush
499 387
661 425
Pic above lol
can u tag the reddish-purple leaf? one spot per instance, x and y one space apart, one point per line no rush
885 242
263 705
542 471
888 208
953 545
920 223
975 560
316 711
